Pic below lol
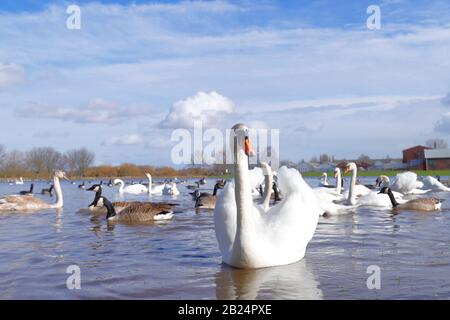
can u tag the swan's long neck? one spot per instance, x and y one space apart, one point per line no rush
121 183
268 182
59 197
149 183
386 182
351 192
338 182
243 195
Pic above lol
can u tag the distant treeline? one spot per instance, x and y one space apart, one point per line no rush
40 163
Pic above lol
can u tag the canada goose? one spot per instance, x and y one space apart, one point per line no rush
29 202
47 190
202 181
81 186
94 205
421 204
208 201
261 191
27 191
137 212
193 187
276 192
97 207
110 184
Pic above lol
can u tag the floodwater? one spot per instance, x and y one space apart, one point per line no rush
180 259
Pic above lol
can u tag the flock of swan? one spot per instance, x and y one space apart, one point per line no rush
255 228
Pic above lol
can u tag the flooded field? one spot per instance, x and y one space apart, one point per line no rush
179 259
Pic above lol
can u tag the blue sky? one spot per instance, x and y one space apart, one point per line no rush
137 70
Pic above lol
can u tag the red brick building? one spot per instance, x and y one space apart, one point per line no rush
414 157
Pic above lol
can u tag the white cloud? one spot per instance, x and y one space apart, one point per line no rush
212 109
10 74
443 124
309 127
95 111
446 100
125 140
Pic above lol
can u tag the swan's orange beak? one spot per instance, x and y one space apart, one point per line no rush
248 147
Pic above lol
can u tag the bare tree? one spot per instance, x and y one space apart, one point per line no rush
324 158
2 154
364 157
43 160
78 160
436 143
13 164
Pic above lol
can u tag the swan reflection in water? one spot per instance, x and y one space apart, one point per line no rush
295 282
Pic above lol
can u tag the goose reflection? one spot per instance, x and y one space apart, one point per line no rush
294 281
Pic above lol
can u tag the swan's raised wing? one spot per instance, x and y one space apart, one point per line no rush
256 177
295 217
406 182
433 184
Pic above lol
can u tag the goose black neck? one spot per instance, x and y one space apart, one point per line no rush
111 212
275 192
31 188
98 194
216 186
393 201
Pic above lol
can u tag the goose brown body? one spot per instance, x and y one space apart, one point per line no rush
137 211
421 204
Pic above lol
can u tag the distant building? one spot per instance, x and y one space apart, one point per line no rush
305 167
414 158
437 159
326 167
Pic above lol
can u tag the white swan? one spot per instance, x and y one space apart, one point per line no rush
133 189
407 183
324 180
375 199
358 189
256 179
29 202
434 184
170 189
349 203
248 237
324 194
158 189
20 181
